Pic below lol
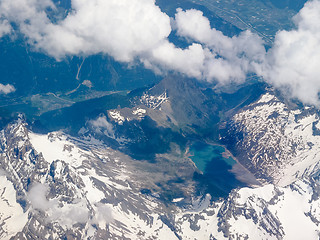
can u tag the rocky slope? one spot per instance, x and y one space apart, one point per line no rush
267 212
59 187
55 186
278 141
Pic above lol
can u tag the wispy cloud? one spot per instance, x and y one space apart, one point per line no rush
102 216
65 214
102 126
37 197
123 29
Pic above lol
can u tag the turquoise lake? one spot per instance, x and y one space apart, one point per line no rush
216 176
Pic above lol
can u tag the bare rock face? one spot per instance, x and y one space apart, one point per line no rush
21 163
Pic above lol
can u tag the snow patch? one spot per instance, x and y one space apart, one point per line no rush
116 116
154 102
12 217
139 111
266 98
55 146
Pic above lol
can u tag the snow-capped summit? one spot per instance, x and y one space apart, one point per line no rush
277 141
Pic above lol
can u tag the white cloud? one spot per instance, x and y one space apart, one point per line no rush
6 89
137 30
70 214
29 15
102 216
294 60
102 126
65 214
123 29
130 30
231 58
292 64
5 27
193 25
167 56
37 197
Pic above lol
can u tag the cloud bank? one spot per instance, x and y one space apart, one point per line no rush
293 63
231 58
123 29
5 27
131 31
136 31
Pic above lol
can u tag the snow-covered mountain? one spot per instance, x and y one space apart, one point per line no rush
60 187
267 212
159 120
55 186
278 141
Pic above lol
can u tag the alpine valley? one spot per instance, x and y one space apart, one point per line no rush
93 148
